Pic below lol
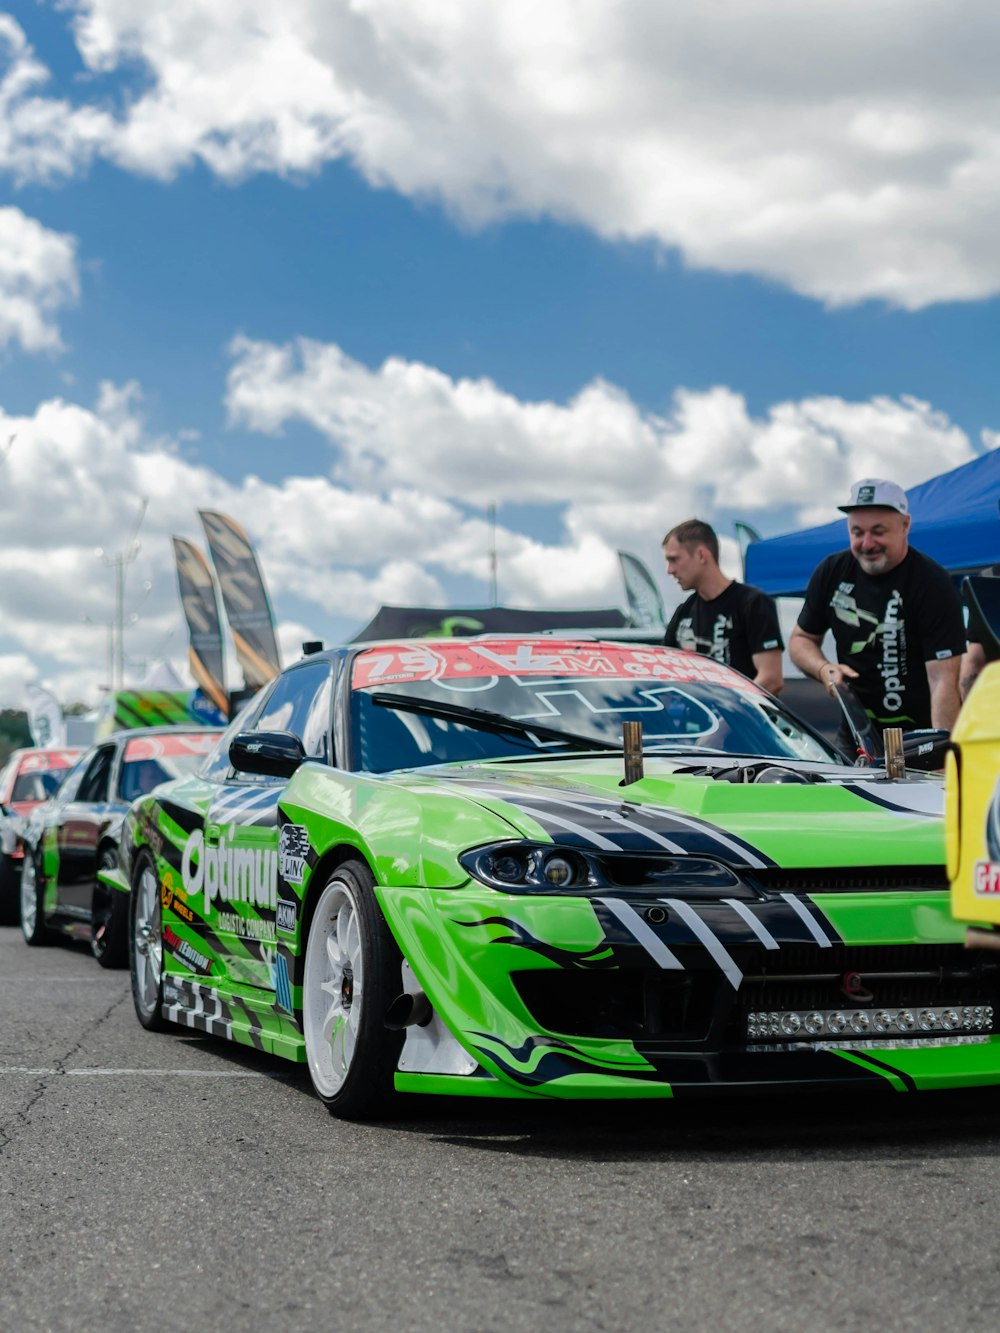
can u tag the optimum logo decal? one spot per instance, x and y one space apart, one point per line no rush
233 874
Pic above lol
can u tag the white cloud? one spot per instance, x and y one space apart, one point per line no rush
845 149
41 138
621 470
396 521
37 276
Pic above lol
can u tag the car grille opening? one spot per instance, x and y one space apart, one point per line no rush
628 1004
847 879
873 978
697 1008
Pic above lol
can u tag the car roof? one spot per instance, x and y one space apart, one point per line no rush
174 729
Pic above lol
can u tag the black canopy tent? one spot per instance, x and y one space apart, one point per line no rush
422 622
956 521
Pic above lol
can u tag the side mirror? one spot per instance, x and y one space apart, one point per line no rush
926 749
275 754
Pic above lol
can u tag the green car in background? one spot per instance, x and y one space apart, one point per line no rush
419 867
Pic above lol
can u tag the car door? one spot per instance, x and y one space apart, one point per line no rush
239 860
71 840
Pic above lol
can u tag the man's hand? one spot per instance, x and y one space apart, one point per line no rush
807 654
832 674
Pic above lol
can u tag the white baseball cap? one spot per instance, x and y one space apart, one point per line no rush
876 493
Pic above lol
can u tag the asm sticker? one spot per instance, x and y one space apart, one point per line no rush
292 852
288 914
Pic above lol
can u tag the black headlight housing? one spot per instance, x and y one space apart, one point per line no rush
553 868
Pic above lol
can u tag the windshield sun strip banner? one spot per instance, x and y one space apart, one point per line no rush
168 747
468 660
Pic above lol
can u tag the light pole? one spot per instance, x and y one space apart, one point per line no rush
492 520
120 562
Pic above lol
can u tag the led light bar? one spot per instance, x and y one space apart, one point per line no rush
913 1023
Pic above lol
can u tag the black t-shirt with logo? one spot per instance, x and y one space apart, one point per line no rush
887 626
730 628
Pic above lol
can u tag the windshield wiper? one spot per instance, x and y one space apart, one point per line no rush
486 720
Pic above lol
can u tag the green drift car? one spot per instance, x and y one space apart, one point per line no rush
419 867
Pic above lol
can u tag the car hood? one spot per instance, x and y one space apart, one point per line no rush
840 817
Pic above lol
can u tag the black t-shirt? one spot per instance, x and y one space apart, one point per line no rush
978 631
887 626
730 628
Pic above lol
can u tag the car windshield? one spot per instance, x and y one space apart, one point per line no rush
38 785
447 703
150 760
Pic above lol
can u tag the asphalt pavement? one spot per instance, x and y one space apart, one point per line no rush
172 1181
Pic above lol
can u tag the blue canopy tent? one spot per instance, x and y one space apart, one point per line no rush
956 521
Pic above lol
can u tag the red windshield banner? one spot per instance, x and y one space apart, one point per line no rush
48 761
464 659
169 747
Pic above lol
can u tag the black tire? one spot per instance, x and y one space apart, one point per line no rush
146 945
109 924
10 889
33 926
350 955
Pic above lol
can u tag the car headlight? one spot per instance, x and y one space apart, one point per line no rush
529 867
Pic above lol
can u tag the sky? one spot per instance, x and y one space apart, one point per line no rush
355 271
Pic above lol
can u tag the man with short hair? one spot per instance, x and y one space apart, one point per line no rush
895 616
722 619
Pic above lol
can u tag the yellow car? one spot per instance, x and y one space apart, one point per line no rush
972 803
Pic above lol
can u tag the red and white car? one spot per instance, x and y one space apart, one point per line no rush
29 777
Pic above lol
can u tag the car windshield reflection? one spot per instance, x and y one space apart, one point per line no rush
688 717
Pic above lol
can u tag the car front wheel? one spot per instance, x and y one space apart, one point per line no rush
108 918
352 971
32 917
146 946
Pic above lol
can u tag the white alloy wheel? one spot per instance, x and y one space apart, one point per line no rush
351 975
147 947
334 987
29 897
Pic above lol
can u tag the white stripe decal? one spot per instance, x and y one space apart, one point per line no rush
758 928
695 924
922 799
241 798
610 814
649 940
594 839
745 854
230 809
604 809
821 938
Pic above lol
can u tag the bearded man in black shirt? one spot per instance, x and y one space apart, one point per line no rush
895 616
722 619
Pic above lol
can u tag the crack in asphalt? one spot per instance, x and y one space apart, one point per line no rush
22 1116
